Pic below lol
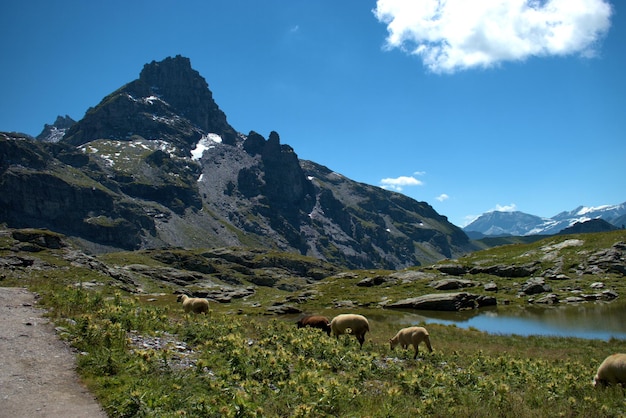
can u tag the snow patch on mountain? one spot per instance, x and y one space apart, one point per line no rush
207 142
55 134
583 210
116 152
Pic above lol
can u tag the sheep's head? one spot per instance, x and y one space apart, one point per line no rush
393 343
597 382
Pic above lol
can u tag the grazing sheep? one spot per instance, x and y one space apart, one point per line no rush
315 321
611 371
357 324
195 305
411 335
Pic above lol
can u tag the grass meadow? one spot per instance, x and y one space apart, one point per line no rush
229 365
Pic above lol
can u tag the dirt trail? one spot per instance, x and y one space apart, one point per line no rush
37 370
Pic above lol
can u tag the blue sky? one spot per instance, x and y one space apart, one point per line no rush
469 106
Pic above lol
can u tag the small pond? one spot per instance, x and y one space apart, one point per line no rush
601 321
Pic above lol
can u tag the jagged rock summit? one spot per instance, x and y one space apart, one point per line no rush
156 165
170 101
56 131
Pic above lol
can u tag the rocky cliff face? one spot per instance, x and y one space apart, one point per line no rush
57 187
156 164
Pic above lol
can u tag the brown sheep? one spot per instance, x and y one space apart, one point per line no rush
195 305
357 324
315 321
411 335
611 371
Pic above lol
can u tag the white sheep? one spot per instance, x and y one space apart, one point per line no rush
357 324
411 335
195 305
611 371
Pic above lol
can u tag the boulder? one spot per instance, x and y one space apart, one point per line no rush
610 260
11 262
168 274
609 294
574 299
482 301
452 284
557 277
225 295
550 299
409 276
304 296
452 269
490 287
372 281
281 309
443 302
507 270
344 304
534 286
41 238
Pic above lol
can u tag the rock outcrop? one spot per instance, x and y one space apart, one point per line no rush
499 270
444 302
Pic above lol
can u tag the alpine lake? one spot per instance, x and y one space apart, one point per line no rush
590 320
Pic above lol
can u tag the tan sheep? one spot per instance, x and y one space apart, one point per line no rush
611 371
195 305
356 324
411 335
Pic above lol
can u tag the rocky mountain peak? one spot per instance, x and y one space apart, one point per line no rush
184 89
56 131
170 101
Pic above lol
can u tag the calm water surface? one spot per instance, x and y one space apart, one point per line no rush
589 320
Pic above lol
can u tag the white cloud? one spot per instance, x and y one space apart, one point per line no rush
398 183
442 197
505 208
461 34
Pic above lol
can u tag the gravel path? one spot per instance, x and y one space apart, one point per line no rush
37 370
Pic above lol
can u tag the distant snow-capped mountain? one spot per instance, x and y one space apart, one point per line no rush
520 223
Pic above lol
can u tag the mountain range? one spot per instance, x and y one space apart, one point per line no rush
499 223
156 164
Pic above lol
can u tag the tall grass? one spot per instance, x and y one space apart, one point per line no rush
246 366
